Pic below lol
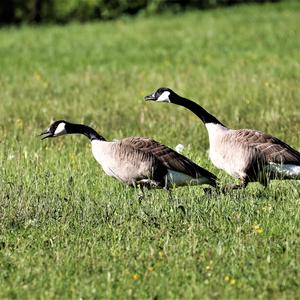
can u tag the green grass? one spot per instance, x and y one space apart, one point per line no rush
69 231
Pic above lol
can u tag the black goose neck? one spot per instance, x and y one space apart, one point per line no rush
89 132
199 111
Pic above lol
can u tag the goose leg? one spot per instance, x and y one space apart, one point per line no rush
141 194
231 187
178 207
265 182
168 190
139 189
170 198
208 191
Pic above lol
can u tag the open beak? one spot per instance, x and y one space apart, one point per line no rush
46 134
150 97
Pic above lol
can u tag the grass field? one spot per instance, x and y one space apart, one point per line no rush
68 231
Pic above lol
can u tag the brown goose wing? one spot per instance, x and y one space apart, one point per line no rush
269 147
135 165
170 158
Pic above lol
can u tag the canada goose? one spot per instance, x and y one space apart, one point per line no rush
137 161
244 153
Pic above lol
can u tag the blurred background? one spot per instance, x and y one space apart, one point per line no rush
37 11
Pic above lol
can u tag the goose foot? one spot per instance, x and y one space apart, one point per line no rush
231 187
141 194
141 197
208 191
170 197
181 209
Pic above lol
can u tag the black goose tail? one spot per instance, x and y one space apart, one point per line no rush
213 179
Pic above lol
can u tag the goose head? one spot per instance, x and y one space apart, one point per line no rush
163 94
57 128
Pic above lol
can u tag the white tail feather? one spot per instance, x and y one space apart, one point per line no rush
287 170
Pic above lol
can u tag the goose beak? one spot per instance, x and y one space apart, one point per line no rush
46 134
150 97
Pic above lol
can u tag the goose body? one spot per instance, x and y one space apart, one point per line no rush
138 161
142 167
247 154
250 153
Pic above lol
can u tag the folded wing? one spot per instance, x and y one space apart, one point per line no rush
170 158
268 147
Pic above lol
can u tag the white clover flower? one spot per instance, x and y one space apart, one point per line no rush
179 148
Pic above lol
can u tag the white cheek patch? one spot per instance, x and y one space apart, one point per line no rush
60 129
164 97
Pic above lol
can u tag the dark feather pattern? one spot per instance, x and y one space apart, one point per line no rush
168 157
268 147
124 153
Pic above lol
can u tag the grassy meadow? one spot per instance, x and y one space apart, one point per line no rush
69 231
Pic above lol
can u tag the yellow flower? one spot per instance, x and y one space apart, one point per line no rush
19 123
37 76
258 229
136 277
267 208
230 280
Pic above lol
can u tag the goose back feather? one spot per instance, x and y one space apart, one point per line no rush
270 148
171 159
